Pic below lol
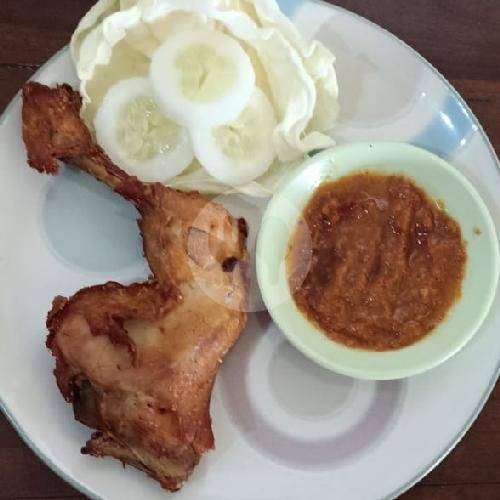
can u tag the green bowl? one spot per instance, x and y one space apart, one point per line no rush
441 181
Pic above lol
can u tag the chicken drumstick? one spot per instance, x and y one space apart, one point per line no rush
138 362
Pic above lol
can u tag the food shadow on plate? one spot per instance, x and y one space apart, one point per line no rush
276 439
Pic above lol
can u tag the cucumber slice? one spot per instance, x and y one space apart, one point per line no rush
137 136
242 150
202 77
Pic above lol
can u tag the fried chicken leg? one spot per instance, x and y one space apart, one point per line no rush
138 362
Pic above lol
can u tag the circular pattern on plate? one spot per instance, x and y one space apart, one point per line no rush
89 226
312 427
316 392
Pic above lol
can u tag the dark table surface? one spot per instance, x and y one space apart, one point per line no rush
461 38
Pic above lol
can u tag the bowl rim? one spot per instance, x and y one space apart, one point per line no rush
301 336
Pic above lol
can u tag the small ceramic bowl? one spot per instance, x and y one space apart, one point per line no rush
441 181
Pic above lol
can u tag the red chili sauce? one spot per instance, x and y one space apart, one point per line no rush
375 263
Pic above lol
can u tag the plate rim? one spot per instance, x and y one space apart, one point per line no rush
78 485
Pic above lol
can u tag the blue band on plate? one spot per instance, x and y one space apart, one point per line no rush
289 7
449 130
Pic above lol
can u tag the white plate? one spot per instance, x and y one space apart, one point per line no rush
285 428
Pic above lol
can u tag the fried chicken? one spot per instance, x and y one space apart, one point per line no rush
138 362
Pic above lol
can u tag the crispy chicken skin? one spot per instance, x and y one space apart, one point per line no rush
138 362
